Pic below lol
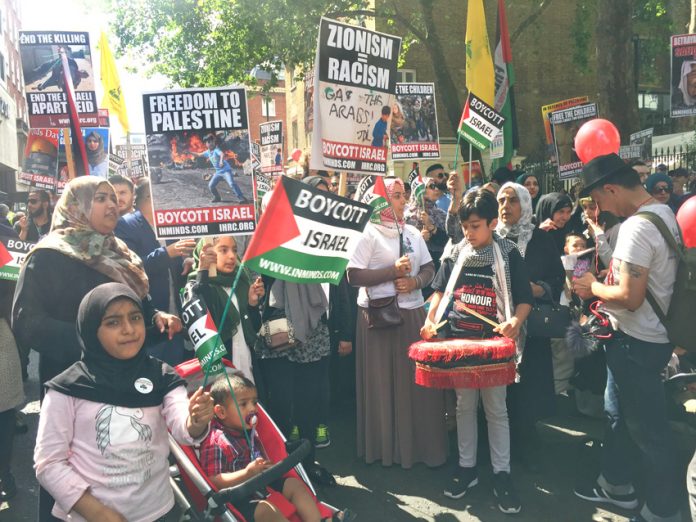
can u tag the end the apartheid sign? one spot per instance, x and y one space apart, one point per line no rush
306 235
480 123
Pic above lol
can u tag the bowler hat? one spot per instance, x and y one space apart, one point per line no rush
599 169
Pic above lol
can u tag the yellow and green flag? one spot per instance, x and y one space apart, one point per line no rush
113 95
480 78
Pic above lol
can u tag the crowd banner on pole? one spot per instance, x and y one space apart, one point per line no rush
565 124
417 187
43 77
306 235
414 133
198 147
202 331
113 95
354 87
480 74
12 254
373 192
472 170
546 111
480 122
630 152
683 84
40 162
644 139
271 146
97 144
263 183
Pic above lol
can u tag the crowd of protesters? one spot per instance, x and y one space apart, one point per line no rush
98 300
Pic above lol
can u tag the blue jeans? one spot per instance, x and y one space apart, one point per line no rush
229 178
634 402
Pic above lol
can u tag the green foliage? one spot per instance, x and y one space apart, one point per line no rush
582 32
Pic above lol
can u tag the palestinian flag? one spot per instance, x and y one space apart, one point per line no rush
12 254
306 235
504 144
373 192
417 188
202 331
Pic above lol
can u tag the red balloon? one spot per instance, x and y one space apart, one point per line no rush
686 217
295 155
596 138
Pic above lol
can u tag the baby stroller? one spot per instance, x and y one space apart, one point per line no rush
209 504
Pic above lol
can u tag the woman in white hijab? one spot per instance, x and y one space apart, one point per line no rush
687 83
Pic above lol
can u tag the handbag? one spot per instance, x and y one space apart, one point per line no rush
384 312
548 319
278 334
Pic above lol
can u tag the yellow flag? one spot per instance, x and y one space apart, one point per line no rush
113 96
480 78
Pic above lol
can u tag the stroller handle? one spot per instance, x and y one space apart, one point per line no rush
259 482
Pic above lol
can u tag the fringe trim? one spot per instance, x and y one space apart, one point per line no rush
472 377
448 350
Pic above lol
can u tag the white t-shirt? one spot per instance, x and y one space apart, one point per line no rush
640 243
376 250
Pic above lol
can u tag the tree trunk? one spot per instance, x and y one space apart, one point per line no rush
692 20
618 99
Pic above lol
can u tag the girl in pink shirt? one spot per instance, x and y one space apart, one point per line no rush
101 449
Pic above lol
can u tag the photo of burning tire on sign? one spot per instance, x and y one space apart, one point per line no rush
199 156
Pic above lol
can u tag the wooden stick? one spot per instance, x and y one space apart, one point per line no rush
212 269
478 315
440 325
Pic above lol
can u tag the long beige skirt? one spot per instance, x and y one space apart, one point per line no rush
398 421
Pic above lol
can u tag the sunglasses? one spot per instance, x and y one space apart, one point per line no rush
32 201
432 186
664 190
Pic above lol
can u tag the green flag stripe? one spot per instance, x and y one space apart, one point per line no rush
299 267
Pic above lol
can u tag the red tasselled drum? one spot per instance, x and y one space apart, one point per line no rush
464 363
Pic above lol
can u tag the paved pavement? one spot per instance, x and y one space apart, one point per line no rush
377 493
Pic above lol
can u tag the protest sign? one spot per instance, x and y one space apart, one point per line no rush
644 139
480 122
137 151
262 183
413 129
354 85
43 77
372 191
306 235
683 84
417 187
630 152
565 124
198 146
546 110
12 254
472 171
271 146
40 163
117 165
200 325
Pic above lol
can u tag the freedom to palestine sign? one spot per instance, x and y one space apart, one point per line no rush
480 123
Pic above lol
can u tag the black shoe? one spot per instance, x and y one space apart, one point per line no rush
20 423
216 200
595 493
462 480
8 488
508 502
319 475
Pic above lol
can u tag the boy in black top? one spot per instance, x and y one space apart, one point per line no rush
481 289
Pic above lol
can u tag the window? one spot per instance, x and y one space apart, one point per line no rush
406 76
268 108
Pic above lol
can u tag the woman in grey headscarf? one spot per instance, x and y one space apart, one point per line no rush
533 397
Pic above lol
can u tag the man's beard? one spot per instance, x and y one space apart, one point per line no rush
37 213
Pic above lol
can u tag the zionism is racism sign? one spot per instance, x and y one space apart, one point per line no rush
354 87
306 235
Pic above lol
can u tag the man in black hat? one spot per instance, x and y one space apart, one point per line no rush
639 349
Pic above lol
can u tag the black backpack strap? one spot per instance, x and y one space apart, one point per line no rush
669 238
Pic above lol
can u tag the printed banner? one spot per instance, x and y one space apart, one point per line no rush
306 235
414 122
200 325
566 124
12 254
43 77
137 151
683 84
417 187
644 140
354 86
40 163
263 184
271 146
198 147
546 110
372 191
480 122
475 177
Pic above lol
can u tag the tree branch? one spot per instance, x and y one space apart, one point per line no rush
533 17
386 15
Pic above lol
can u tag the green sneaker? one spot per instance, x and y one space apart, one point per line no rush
294 434
323 438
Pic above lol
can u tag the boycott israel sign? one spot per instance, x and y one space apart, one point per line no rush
271 146
480 123
306 235
372 191
43 77
198 151
565 124
12 254
354 85
644 140
414 122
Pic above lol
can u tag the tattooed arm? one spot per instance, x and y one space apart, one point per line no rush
629 293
